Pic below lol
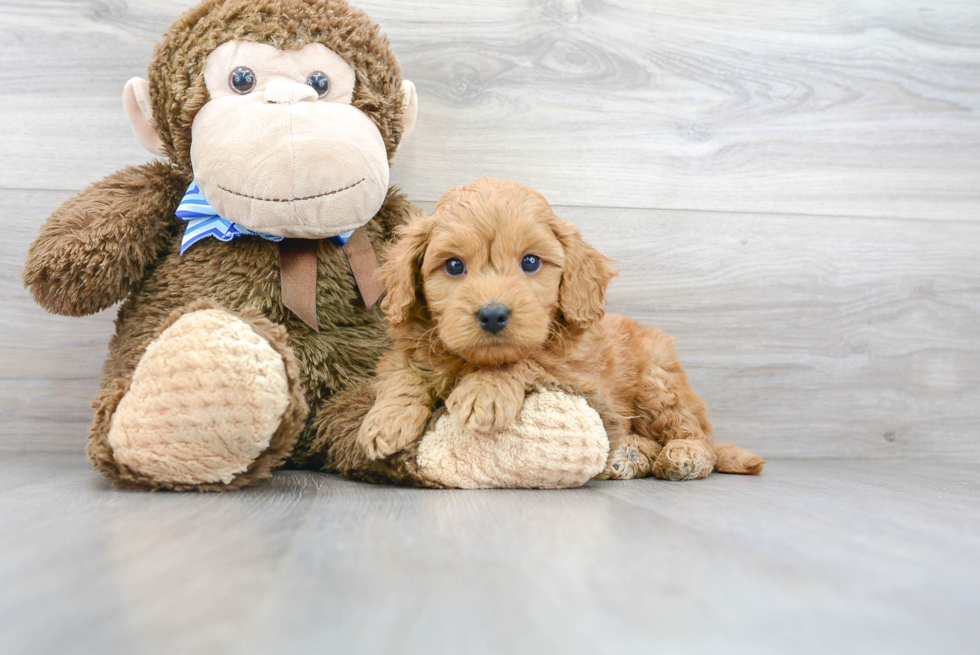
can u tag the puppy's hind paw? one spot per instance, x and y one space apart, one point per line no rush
685 459
625 463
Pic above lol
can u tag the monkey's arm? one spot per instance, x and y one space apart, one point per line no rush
94 249
401 409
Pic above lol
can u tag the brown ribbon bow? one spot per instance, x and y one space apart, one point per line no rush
297 264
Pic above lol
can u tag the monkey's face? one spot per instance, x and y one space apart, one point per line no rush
280 149
289 123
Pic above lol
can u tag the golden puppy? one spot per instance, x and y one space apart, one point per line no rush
492 296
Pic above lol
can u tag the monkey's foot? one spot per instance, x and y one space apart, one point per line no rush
557 441
211 396
685 459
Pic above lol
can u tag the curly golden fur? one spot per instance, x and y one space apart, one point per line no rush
496 246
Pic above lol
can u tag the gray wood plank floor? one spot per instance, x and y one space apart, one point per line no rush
811 557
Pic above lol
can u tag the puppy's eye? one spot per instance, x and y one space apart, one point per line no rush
242 80
455 267
531 264
319 82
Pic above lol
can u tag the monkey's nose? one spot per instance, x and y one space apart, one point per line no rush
287 93
493 318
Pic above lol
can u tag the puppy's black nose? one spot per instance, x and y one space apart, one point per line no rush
493 318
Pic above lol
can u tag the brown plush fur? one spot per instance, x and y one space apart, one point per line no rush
557 334
335 446
95 248
119 239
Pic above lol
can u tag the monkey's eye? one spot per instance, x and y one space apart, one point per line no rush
531 264
455 267
242 80
319 82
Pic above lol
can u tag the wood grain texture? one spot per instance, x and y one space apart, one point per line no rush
811 557
808 336
855 109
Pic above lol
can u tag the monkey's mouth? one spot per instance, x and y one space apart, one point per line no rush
320 195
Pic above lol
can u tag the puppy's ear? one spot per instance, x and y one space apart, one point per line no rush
401 272
584 278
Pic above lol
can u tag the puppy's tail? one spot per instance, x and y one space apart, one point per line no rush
732 459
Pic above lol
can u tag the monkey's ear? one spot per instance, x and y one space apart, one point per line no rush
139 111
584 278
410 108
402 270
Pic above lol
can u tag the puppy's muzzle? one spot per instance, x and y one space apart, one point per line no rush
493 318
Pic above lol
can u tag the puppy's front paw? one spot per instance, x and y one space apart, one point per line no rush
684 459
484 407
389 428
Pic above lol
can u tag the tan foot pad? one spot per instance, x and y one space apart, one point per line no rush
205 400
684 459
557 441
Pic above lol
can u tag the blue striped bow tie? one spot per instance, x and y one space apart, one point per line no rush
204 222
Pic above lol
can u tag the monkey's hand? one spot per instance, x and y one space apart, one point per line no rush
487 400
96 247
557 441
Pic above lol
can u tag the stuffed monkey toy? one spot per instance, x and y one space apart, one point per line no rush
244 259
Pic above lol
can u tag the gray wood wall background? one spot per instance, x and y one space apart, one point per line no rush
792 189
